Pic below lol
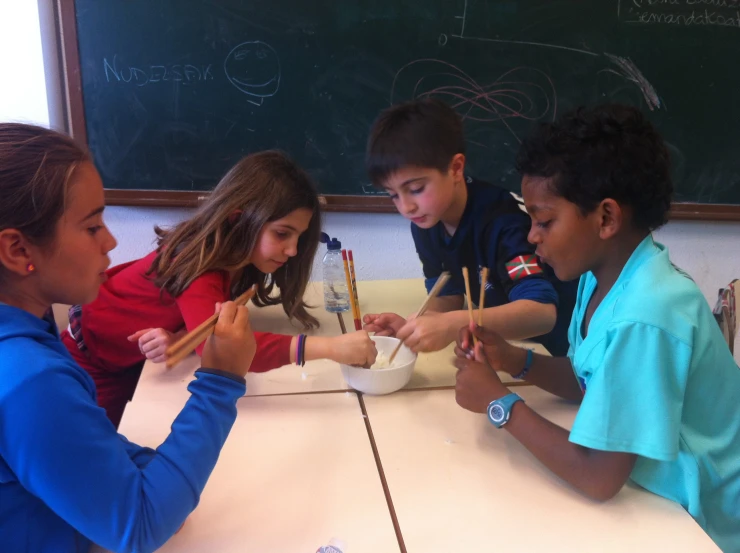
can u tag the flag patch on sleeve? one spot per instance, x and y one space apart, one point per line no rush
523 266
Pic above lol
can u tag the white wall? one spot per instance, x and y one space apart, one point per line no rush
383 249
381 244
708 251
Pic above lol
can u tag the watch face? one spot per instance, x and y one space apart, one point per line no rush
497 413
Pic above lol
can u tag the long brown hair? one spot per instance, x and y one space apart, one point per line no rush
35 169
222 234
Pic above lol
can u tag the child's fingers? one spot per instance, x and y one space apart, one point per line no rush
464 353
459 352
412 342
478 353
158 354
388 320
405 331
485 335
369 318
154 335
242 317
464 338
226 312
138 334
462 364
152 347
372 355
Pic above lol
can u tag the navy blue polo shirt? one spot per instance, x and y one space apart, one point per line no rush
493 233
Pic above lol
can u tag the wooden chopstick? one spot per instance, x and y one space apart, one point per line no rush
481 303
358 315
341 323
185 345
466 278
352 304
433 293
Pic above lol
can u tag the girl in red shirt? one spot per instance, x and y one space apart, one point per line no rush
260 225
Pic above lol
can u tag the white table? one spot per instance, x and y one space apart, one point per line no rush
298 468
294 472
459 484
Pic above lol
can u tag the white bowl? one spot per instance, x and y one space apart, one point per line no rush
382 381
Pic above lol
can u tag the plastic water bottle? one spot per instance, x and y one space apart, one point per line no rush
336 295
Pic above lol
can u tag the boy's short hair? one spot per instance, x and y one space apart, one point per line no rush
421 133
610 151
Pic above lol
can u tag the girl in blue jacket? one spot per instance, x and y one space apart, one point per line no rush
67 479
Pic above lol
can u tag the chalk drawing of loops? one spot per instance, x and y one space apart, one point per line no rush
519 93
253 67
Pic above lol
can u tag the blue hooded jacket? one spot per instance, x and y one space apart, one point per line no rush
67 478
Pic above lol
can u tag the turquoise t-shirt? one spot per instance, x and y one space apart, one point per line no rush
659 381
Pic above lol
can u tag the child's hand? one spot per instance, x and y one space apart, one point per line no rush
477 384
232 345
153 342
499 353
426 333
383 324
353 348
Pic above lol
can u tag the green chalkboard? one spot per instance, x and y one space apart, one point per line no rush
175 91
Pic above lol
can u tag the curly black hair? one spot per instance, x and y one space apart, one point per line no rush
422 133
609 151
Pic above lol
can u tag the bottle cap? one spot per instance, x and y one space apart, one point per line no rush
331 243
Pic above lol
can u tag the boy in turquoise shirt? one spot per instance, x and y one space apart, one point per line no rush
657 385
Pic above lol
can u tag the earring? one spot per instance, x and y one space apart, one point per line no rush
30 267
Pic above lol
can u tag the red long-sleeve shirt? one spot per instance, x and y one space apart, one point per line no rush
129 301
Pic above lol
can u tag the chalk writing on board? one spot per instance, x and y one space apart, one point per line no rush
714 4
519 93
371 190
625 67
146 74
463 17
681 13
694 19
253 67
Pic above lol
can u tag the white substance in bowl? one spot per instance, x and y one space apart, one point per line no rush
381 362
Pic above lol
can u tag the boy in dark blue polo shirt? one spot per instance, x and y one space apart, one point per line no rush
416 151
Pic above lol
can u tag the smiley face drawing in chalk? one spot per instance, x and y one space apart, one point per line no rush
254 68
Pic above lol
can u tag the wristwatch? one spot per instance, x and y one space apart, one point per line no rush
499 410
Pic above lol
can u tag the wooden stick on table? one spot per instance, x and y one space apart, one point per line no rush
185 345
466 278
433 293
358 315
341 323
355 310
483 281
